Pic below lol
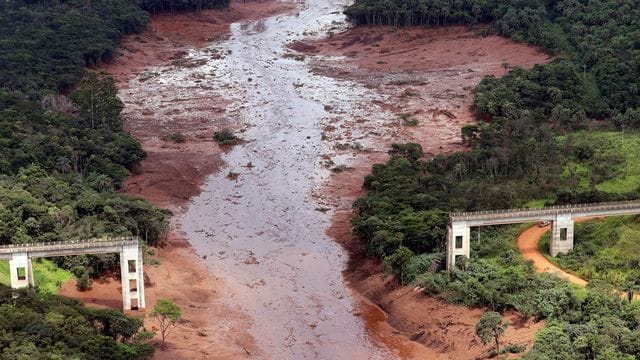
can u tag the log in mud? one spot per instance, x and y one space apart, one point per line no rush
314 113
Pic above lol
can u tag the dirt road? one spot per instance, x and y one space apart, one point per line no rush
528 245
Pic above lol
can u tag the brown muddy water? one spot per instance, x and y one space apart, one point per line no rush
263 231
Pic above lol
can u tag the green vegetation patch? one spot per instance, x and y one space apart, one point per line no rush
226 137
48 277
42 326
606 161
605 249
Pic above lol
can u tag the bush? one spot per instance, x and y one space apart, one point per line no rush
176 137
83 282
513 349
226 137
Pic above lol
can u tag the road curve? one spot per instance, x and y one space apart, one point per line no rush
528 245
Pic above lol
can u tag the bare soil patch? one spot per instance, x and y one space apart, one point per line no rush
425 75
528 246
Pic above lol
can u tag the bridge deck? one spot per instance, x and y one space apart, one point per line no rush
64 248
496 217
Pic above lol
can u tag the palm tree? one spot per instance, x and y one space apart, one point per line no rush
505 66
629 287
102 183
62 165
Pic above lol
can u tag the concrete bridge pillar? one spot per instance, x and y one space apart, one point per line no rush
20 270
561 234
132 277
458 242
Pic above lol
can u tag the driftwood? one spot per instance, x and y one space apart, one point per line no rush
448 114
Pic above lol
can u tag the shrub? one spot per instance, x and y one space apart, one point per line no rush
176 137
226 137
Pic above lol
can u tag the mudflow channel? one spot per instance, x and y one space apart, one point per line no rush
262 231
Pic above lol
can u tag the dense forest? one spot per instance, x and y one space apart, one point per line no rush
64 155
539 140
51 327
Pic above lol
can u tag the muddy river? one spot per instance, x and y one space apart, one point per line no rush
259 223
262 229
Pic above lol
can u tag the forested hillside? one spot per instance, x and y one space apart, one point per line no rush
51 327
535 142
63 157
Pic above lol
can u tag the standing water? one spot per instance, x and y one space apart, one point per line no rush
262 231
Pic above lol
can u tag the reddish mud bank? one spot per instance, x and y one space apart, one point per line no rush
207 329
172 173
412 324
426 75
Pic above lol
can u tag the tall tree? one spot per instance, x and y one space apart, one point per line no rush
167 314
97 99
491 327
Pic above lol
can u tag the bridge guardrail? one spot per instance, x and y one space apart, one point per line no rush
550 210
64 245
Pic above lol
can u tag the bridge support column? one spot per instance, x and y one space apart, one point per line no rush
132 277
561 235
20 270
458 242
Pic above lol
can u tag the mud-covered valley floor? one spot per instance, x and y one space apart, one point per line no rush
254 260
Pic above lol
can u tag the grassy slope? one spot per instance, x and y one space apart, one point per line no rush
48 277
614 167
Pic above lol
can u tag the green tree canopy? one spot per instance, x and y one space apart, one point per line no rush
490 327
167 314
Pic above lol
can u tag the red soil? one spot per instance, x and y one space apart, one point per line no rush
428 74
172 173
528 245
182 278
